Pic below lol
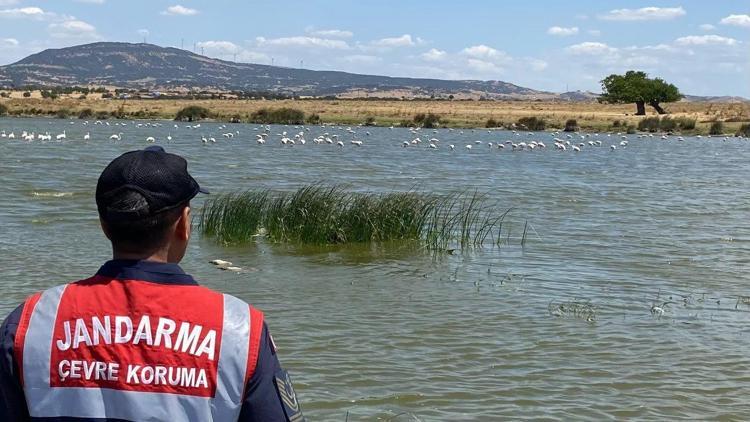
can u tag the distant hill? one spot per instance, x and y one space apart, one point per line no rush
149 66
139 66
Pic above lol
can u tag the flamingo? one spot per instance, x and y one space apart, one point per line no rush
61 136
116 137
87 136
150 139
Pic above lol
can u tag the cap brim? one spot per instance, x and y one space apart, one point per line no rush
205 191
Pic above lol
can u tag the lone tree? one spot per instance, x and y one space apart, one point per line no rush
637 87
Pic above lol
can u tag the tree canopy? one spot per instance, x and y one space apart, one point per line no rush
636 87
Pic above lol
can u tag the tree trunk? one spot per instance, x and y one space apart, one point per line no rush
657 107
641 108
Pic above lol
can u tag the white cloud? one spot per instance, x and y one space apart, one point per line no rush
737 20
483 66
590 48
483 52
562 32
73 29
24 12
705 40
644 14
707 27
537 65
178 10
362 59
402 41
302 41
212 48
331 33
434 55
8 42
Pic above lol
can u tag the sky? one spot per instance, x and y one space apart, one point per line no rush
701 46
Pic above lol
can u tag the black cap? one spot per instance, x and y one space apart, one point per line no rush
160 177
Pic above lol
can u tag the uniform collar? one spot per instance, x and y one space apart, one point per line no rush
156 272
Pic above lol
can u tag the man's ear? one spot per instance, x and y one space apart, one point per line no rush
104 228
183 224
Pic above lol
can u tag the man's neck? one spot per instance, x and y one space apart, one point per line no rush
158 256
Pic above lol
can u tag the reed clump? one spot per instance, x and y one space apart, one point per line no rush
318 214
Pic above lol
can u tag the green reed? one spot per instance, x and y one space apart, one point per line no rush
319 214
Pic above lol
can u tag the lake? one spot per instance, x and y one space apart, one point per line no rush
652 239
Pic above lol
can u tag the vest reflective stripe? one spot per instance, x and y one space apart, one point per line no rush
46 401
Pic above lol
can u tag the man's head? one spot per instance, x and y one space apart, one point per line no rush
143 198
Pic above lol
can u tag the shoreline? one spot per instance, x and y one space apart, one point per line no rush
590 117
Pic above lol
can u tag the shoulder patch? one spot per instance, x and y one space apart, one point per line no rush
288 397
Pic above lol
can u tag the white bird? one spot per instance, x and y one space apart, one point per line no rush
452 147
340 144
169 137
357 143
433 146
614 147
150 139
61 136
203 139
468 146
87 136
116 137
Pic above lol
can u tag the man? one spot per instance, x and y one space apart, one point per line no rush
141 340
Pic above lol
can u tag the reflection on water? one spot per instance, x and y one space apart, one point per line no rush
392 332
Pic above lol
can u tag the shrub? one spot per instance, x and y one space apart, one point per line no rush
616 123
49 94
313 119
62 113
191 113
744 130
686 123
370 121
571 125
26 94
107 95
631 130
532 123
493 123
86 113
667 124
281 116
3 109
427 121
649 124
717 128
102 115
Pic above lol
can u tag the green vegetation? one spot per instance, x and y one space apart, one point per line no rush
370 121
86 113
318 214
717 128
313 119
491 123
3 109
571 125
279 116
744 130
532 123
427 121
62 113
192 113
665 124
26 94
630 130
636 87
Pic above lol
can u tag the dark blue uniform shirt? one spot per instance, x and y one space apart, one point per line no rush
262 400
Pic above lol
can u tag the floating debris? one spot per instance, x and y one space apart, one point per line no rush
574 308
220 262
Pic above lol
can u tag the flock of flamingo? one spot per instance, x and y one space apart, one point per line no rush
298 135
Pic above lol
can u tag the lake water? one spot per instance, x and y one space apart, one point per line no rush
390 332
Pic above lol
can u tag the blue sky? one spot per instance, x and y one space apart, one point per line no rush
703 47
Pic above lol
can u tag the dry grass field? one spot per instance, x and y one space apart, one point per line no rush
589 115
